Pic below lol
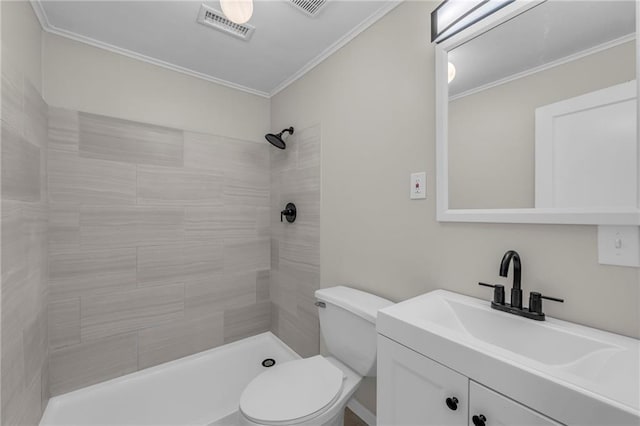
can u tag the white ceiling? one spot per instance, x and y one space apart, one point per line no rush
543 35
285 44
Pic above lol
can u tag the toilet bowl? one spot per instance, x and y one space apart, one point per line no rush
315 390
311 391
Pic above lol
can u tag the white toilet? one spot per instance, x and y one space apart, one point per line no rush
315 391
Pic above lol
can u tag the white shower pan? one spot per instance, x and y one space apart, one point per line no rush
201 389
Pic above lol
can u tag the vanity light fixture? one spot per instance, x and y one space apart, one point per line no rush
453 16
237 11
451 72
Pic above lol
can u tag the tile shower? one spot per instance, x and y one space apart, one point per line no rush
24 348
158 244
140 244
295 248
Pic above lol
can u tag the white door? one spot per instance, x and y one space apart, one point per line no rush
586 150
414 390
488 408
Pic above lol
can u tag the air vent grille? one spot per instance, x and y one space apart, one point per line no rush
310 7
216 19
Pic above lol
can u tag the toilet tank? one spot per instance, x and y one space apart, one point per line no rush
348 326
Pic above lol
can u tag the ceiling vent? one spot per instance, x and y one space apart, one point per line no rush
216 19
310 7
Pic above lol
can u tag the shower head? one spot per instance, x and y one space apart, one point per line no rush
277 139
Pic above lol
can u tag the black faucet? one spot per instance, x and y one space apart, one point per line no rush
534 311
516 290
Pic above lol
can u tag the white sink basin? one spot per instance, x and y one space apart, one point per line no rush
482 343
539 341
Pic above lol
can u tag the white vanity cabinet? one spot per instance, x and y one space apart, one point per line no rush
510 369
415 390
500 410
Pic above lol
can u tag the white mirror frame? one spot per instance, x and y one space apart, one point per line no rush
577 216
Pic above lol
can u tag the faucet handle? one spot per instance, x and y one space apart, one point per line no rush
290 212
498 292
535 301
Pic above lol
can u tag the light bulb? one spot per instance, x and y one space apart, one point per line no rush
451 72
237 11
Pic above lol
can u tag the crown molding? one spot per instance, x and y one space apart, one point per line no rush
40 14
548 65
49 28
388 5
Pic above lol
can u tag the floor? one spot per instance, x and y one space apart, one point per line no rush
351 419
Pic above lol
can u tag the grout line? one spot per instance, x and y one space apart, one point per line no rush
138 350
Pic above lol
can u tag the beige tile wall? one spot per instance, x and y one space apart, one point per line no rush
295 247
159 245
24 348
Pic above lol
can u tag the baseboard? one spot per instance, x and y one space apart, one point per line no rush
367 416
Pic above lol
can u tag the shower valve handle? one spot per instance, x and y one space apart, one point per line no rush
290 212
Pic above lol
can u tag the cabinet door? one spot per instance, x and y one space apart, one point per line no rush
496 409
413 390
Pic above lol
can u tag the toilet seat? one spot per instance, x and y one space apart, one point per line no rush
293 392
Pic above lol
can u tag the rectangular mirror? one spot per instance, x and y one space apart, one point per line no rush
537 116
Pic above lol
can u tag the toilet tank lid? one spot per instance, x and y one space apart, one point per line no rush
363 304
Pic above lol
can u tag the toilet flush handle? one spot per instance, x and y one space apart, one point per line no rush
320 304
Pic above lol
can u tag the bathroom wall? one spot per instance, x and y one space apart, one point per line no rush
81 77
375 100
295 247
159 245
24 212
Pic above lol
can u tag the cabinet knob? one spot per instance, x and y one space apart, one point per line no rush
452 403
479 420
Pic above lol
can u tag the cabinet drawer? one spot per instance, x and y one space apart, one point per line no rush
500 410
413 390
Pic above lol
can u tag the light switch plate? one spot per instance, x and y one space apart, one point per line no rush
418 188
619 245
